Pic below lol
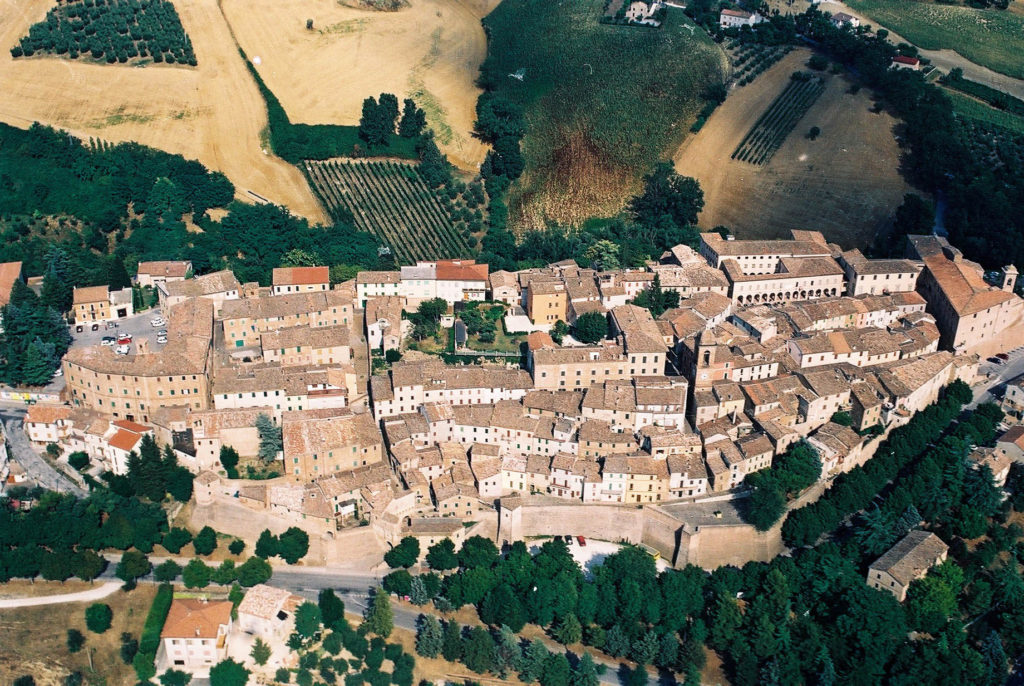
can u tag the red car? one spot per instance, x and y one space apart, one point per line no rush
124 340
582 541
1002 356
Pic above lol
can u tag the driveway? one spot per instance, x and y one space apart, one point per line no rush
97 593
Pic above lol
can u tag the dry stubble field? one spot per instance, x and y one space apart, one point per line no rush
33 640
213 112
845 184
430 51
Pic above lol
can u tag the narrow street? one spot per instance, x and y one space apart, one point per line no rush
36 467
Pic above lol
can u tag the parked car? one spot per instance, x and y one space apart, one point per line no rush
161 339
122 349
568 539
159 321
1002 356
161 332
108 340
582 541
111 325
994 360
124 337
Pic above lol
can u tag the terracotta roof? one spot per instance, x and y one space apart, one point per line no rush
124 440
91 294
292 276
736 13
1015 435
903 59
130 426
9 273
378 277
460 270
172 268
194 618
41 413
207 284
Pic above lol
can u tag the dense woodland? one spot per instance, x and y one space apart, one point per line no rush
110 30
809 618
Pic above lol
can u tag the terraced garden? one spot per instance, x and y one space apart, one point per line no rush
771 129
390 200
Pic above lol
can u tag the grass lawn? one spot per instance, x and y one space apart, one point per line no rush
975 109
503 342
991 38
602 103
34 640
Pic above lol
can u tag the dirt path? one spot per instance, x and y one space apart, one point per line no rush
97 593
845 183
212 113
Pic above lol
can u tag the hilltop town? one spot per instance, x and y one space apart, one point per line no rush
766 344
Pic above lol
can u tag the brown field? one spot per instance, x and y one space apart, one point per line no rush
213 112
34 640
845 184
23 588
430 51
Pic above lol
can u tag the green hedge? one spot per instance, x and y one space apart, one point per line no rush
150 640
993 97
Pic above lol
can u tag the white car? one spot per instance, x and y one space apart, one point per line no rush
161 339
122 349
159 321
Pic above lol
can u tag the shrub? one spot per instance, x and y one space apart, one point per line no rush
98 617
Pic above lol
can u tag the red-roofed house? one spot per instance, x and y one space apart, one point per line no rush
194 637
904 62
459 280
300 280
121 439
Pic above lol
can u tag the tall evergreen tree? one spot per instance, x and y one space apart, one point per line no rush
387 110
379 618
271 440
429 636
413 120
451 646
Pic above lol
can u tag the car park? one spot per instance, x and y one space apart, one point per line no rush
122 349
108 340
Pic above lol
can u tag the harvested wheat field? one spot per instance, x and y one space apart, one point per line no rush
845 183
430 51
212 112
34 639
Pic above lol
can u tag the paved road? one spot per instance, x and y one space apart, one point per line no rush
354 590
1001 373
97 593
37 468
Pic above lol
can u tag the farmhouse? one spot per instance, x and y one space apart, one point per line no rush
841 19
908 560
737 18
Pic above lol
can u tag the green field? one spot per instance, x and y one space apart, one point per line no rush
602 103
974 109
991 38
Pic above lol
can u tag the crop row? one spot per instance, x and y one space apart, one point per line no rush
771 129
390 200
